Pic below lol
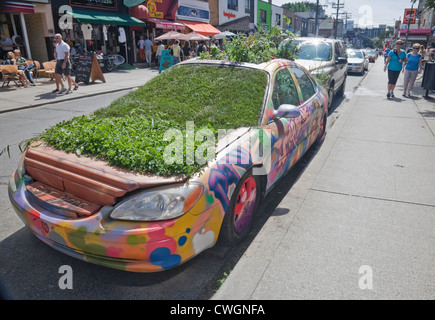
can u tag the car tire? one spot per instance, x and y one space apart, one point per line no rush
322 131
242 210
330 95
340 93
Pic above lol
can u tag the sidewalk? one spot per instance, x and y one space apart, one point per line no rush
361 219
16 98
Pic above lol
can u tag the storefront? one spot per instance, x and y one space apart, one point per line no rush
159 16
196 16
100 26
30 25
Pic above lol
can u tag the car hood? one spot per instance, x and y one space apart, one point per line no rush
87 178
355 60
312 65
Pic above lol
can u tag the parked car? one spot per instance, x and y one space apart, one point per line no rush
144 222
357 61
326 59
371 54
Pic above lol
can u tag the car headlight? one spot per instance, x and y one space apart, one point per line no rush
19 173
161 203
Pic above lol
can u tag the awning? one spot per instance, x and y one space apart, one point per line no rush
100 17
166 24
9 6
415 31
203 28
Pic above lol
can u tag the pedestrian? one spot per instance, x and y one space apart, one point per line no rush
148 53
394 64
414 64
22 65
6 45
160 48
186 51
386 52
176 49
141 46
63 64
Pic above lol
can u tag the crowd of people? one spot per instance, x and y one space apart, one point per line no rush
180 50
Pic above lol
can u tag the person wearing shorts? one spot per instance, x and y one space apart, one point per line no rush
394 64
63 64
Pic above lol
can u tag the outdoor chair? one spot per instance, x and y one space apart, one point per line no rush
10 73
47 70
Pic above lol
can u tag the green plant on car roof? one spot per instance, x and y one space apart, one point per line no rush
129 133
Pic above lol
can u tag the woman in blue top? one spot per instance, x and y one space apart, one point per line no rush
412 68
394 61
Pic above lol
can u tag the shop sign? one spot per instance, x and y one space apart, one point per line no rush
100 4
189 13
409 16
133 3
152 9
229 15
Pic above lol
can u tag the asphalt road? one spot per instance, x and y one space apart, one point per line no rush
29 269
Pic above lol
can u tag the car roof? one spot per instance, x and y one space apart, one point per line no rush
266 66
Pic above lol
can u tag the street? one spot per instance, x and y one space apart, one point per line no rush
29 269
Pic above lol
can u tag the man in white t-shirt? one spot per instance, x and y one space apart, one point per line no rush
63 64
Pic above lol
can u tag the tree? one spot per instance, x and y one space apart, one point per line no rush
430 4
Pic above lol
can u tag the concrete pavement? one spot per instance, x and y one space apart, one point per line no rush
361 218
16 98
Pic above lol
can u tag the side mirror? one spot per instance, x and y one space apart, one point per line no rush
341 60
287 111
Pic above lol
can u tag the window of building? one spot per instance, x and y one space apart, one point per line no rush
278 19
263 16
247 6
233 5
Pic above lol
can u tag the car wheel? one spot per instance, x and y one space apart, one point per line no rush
242 210
330 95
340 92
322 130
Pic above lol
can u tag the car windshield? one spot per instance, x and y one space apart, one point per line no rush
317 51
355 54
370 52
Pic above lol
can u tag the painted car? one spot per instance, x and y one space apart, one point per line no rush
357 61
87 209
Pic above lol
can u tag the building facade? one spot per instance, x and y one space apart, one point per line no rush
30 24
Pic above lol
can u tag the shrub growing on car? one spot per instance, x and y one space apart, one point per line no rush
129 133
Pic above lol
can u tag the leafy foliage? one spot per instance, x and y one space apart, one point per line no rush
260 47
130 132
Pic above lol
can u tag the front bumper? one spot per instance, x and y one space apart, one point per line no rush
130 246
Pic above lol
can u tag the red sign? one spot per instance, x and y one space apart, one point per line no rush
409 16
229 15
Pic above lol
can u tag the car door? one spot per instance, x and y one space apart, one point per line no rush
341 68
310 107
284 133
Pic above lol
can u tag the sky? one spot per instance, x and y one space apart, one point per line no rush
364 12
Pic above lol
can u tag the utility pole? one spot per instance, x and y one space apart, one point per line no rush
337 6
316 25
